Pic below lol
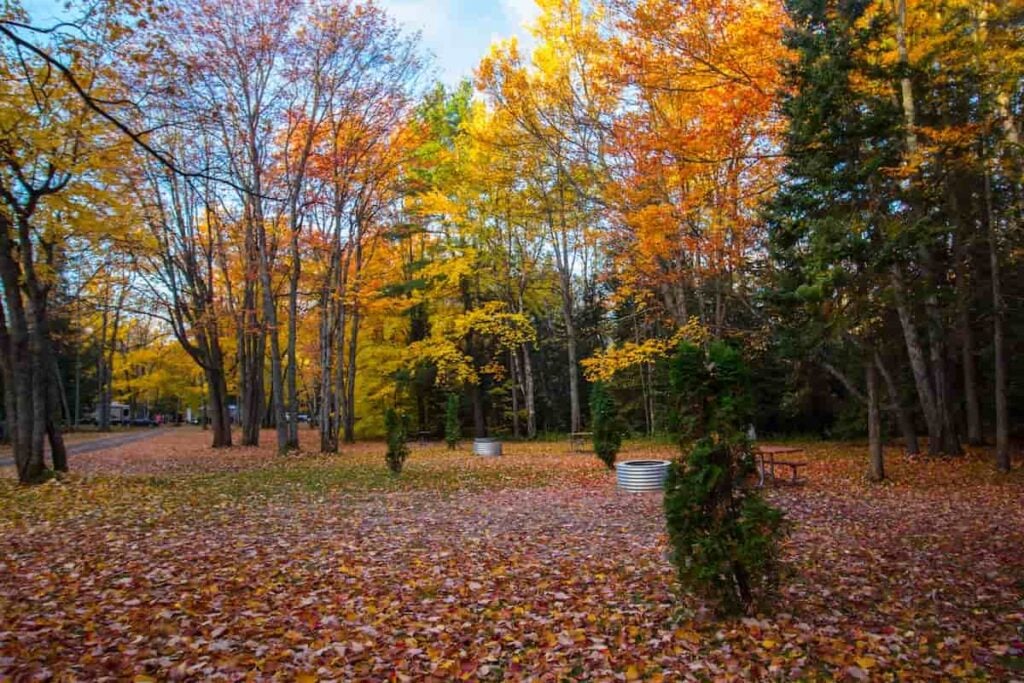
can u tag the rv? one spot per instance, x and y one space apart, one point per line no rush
120 414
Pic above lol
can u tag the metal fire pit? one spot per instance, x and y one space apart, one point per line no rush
641 475
487 447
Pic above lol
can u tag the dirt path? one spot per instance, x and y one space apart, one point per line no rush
103 443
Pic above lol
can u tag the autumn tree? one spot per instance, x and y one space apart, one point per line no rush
354 185
56 173
557 106
880 211
692 151
233 57
184 224
482 256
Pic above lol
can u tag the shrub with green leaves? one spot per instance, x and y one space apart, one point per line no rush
725 537
397 432
605 423
452 425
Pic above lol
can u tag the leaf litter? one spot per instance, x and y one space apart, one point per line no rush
182 564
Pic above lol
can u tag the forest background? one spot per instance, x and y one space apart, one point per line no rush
264 210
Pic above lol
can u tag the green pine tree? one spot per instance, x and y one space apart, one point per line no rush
838 222
605 423
725 538
452 425
397 433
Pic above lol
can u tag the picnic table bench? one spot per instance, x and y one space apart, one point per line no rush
767 461
423 436
576 440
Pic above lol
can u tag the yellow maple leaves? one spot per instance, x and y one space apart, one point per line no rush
604 365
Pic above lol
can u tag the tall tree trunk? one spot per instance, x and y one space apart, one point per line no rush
220 416
1011 137
102 408
340 389
560 242
10 406
479 418
906 87
204 389
964 303
276 369
935 399
972 407
998 338
529 395
292 435
353 341
28 460
76 418
58 452
251 348
574 375
903 416
949 440
514 367
876 468
251 368
918 362
719 307
350 382
107 350
327 421
63 406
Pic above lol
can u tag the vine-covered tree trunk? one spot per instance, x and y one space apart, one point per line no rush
529 395
292 427
998 339
353 340
350 381
479 419
515 392
876 468
327 421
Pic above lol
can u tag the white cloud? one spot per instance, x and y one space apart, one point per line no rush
459 32
520 12
433 18
443 31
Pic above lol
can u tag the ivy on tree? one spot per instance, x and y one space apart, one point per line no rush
724 536
452 427
397 431
605 423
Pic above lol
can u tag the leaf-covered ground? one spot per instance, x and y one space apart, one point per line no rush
165 560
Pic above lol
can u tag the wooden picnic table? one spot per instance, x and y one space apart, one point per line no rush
576 440
767 461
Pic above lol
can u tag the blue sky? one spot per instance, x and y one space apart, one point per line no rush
459 32
456 32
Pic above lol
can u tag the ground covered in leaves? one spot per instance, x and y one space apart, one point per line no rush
165 560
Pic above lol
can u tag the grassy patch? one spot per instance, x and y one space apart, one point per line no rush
298 478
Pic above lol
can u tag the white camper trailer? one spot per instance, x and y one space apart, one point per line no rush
120 414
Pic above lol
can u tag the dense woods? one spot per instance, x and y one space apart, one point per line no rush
266 213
